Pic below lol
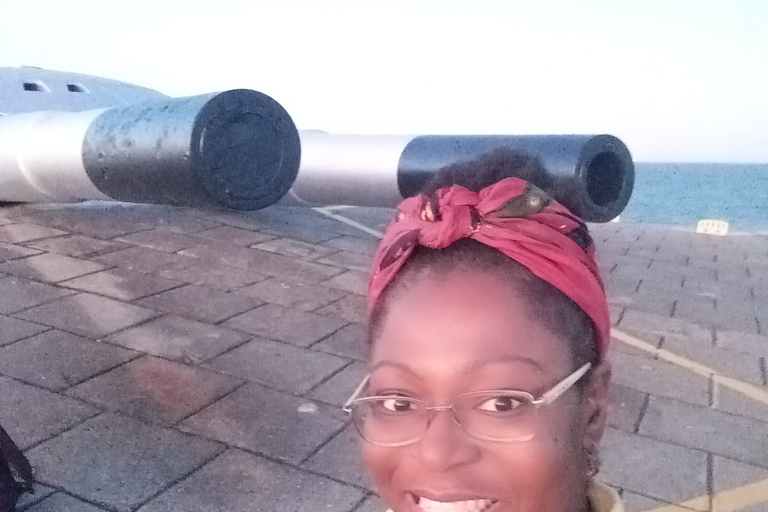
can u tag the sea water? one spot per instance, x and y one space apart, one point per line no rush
683 193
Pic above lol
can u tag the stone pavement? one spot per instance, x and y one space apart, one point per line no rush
160 359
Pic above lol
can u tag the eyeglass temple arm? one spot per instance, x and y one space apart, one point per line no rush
358 390
564 385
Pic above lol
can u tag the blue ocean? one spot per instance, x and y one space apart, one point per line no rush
683 193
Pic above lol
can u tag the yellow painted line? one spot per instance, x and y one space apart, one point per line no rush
350 222
750 391
729 500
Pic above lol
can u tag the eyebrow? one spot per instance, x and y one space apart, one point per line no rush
469 367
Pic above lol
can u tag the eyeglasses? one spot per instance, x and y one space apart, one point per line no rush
495 415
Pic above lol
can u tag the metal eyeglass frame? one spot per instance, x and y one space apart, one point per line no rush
545 399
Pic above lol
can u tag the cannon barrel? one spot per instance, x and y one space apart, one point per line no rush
592 175
237 148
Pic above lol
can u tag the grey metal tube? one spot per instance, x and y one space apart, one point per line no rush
592 175
237 148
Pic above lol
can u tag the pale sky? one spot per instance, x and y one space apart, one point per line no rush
677 80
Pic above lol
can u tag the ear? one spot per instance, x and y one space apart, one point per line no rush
595 404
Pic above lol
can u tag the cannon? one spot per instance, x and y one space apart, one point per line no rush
238 148
593 175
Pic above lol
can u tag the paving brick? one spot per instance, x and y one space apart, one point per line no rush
625 407
340 459
60 502
285 324
274 364
143 259
634 502
350 308
87 315
732 402
742 342
290 247
121 284
17 293
706 429
350 341
292 294
728 474
675 269
352 281
656 469
180 339
200 303
659 303
155 390
184 221
13 329
364 246
242 482
40 493
262 420
372 504
703 313
11 252
234 236
264 262
25 232
161 240
120 462
733 364
658 378
77 246
657 325
348 260
31 415
340 387
50 267
722 291
218 277
105 221
57 360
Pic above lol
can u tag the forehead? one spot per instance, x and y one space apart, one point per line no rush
461 317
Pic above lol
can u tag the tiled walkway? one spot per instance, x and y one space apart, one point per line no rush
161 359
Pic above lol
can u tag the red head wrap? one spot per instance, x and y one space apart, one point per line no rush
512 216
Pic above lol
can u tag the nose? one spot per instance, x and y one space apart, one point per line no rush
445 444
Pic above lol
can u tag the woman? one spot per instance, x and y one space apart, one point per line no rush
488 329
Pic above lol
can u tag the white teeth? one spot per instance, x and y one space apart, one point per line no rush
428 505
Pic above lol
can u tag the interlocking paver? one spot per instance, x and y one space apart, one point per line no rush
290 247
25 232
180 339
40 493
120 462
658 325
11 252
352 281
155 390
235 236
266 421
732 402
57 360
121 284
200 303
739 365
365 246
242 482
653 468
285 324
625 407
88 315
218 277
50 267
13 329
31 415
19 293
161 240
143 259
293 294
351 308
634 502
706 429
77 246
742 342
338 388
728 474
372 504
350 341
658 378
275 364
349 260
60 502
340 459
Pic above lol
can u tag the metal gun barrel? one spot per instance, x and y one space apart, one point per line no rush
236 148
592 175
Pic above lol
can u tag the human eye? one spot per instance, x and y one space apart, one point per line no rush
396 404
501 404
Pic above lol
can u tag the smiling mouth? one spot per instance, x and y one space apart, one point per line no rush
428 505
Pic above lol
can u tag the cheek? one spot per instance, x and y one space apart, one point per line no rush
382 464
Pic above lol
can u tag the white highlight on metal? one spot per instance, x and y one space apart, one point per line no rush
712 227
349 169
41 158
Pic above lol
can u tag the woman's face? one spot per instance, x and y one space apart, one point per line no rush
470 331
